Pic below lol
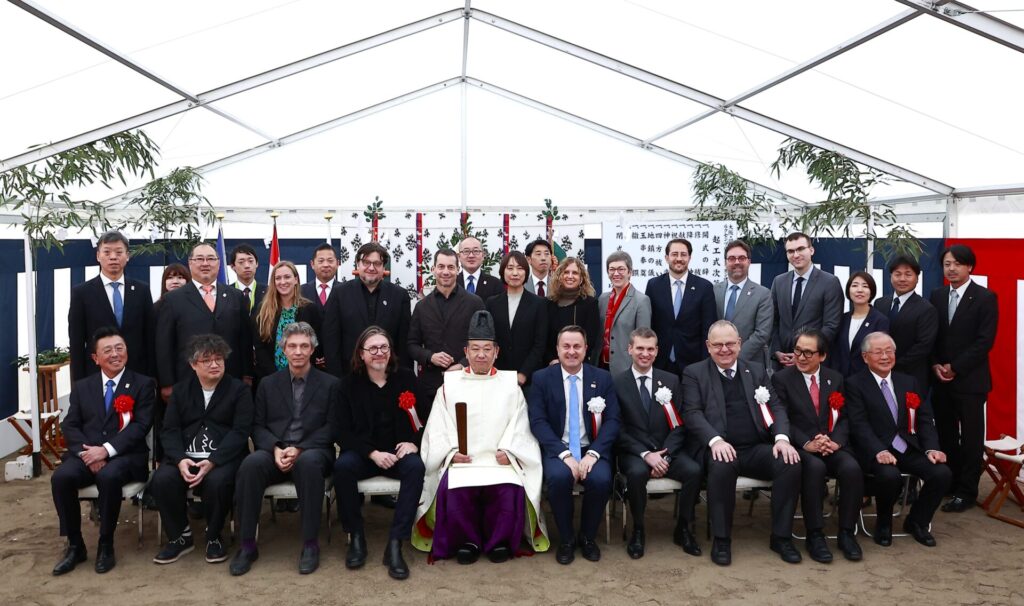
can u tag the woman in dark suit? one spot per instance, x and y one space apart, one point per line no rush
282 305
520 320
860 321
571 301
378 423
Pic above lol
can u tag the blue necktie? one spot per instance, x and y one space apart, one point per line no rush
730 306
108 397
574 419
118 303
898 443
895 311
677 304
469 284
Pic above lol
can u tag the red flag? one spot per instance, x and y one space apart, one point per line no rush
275 255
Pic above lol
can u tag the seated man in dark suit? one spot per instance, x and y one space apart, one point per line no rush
205 436
574 414
893 433
292 434
105 431
813 397
651 441
737 426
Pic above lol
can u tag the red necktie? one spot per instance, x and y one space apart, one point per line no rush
814 395
540 289
323 294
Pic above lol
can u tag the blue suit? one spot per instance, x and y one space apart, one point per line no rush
547 408
687 330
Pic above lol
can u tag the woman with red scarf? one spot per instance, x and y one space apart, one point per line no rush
622 310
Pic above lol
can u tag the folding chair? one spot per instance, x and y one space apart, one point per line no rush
375 486
832 491
1004 467
129 492
907 478
51 441
654 486
752 487
286 490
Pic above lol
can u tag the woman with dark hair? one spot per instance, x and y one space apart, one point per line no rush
520 320
175 276
282 305
571 301
378 424
861 320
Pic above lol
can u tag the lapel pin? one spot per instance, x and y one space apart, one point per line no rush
693 288
132 287
828 381
385 302
224 295
867 324
593 386
127 385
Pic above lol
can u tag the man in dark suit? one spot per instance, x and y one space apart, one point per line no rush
293 439
111 299
242 260
813 397
472 277
651 441
804 297
539 257
968 317
889 441
105 431
737 426
682 309
203 307
205 436
913 321
325 266
574 414
359 304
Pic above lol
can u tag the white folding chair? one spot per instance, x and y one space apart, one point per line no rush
131 491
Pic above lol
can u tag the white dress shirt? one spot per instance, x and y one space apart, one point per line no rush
111 451
110 291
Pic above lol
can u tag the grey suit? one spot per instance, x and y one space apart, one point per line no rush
529 283
753 317
821 307
634 312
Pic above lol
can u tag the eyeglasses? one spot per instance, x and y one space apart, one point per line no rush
377 349
804 353
726 345
795 251
377 264
204 259
737 259
210 362
618 270
471 252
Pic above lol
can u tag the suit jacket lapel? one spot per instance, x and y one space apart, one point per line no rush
965 302
626 301
717 395
100 294
312 386
748 388
589 391
194 297
825 389
786 295
122 388
655 413
805 293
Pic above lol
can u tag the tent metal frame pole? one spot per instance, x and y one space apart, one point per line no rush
972 20
711 101
463 113
33 366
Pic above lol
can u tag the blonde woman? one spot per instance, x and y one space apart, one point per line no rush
571 302
282 305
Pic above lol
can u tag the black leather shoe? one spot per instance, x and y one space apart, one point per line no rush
397 568
635 547
919 532
384 500
849 546
501 553
721 551
685 539
817 548
883 534
468 553
957 505
566 553
242 562
589 549
356 555
784 547
309 559
73 555
105 560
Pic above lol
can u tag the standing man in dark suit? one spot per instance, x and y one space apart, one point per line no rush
359 304
242 260
651 441
203 307
293 436
804 297
206 436
105 430
968 317
813 397
111 299
325 266
539 254
682 309
574 414
440 323
889 441
737 426
745 303
472 278
913 321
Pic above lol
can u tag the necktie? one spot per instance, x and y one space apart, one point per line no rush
954 298
815 395
469 284
895 309
730 306
540 289
323 294
247 293
118 303
574 419
797 294
728 373
898 442
677 299
645 395
211 301
108 397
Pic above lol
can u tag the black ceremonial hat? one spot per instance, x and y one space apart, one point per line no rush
481 327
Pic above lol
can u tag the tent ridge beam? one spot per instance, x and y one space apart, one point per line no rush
972 20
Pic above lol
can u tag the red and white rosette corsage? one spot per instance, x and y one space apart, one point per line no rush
664 397
761 396
124 405
596 407
913 402
835 404
407 402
